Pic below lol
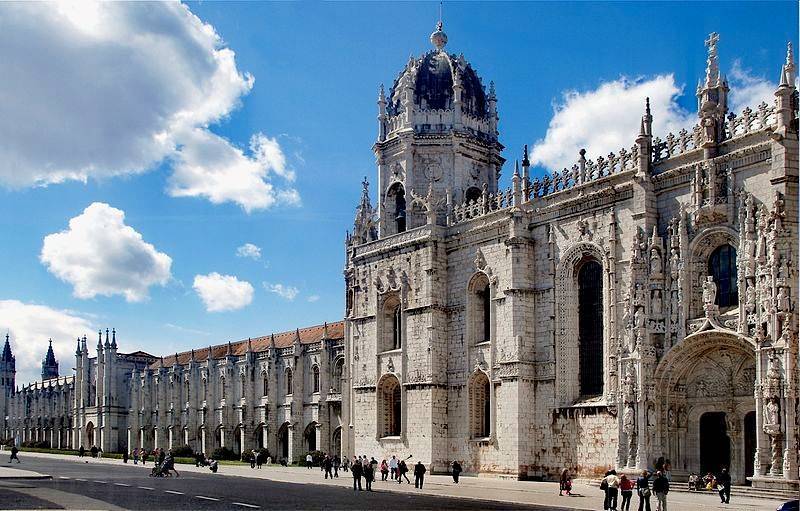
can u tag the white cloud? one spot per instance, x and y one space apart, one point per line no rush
607 119
748 90
285 292
99 255
114 88
31 325
313 298
249 250
223 292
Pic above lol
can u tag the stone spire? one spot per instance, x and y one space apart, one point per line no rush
712 100
7 355
712 62
114 338
365 225
49 364
78 348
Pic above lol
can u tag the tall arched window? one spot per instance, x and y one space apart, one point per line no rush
486 313
722 266
222 387
590 327
187 390
479 305
244 386
480 406
338 372
266 385
390 407
315 379
289 381
397 194
391 324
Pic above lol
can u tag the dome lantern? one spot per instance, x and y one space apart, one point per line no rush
438 37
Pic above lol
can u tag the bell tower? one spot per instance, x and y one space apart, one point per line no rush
437 130
7 375
49 364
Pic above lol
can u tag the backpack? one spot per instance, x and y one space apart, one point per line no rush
604 485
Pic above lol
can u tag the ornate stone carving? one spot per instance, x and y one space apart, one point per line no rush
709 292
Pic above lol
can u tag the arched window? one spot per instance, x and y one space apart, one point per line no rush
722 266
391 324
187 390
473 194
590 328
397 195
244 386
222 387
390 407
288 381
479 309
338 372
266 385
315 379
480 406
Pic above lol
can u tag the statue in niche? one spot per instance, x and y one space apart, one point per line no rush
772 417
778 212
638 295
682 417
709 291
651 417
655 262
671 418
674 261
782 300
750 299
626 310
639 317
656 303
629 420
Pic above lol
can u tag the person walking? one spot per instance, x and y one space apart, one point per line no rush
328 464
643 490
456 471
626 489
369 475
253 455
419 475
661 488
14 452
393 467
125 457
336 463
144 456
384 470
259 459
309 461
81 451
724 486
356 470
402 470
565 483
93 450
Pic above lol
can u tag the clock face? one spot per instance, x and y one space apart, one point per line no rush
433 171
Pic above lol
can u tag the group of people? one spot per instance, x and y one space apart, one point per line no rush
613 486
257 459
394 468
720 482
95 451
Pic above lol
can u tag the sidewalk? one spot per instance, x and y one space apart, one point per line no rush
584 497
8 473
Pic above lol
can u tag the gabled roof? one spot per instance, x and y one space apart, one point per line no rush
308 335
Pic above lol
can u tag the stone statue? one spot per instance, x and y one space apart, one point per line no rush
750 299
772 424
655 262
629 420
674 261
657 305
783 300
709 291
638 296
626 310
671 418
639 318
778 212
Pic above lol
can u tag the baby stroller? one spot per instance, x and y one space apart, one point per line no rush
213 466
162 469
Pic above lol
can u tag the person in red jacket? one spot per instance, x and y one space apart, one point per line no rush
626 489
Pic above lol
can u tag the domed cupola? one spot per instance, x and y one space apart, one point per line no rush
439 92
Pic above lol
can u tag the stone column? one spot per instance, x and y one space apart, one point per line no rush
241 441
290 441
203 441
318 437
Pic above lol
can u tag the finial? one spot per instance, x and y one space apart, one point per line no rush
647 105
712 64
438 37
582 152
789 54
491 90
516 168
525 161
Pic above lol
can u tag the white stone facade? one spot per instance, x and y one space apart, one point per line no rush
489 285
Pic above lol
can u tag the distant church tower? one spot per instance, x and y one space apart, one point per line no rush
437 130
49 364
7 375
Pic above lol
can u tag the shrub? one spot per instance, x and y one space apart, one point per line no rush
248 455
184 451
223 453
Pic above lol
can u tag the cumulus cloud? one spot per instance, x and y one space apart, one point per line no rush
222 293
99 255
209 166
285 292
114 88
607 118
31 325
249 250
313 298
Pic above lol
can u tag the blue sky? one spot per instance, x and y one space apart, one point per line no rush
152 128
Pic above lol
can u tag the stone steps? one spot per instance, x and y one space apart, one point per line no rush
742 491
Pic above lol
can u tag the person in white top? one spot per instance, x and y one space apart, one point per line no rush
610 485
393 467
309 461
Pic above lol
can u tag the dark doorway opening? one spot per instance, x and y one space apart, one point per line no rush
283 441
715 446
749 444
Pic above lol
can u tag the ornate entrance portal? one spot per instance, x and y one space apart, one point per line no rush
705 388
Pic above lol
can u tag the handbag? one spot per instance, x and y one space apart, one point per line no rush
604 485
646 492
